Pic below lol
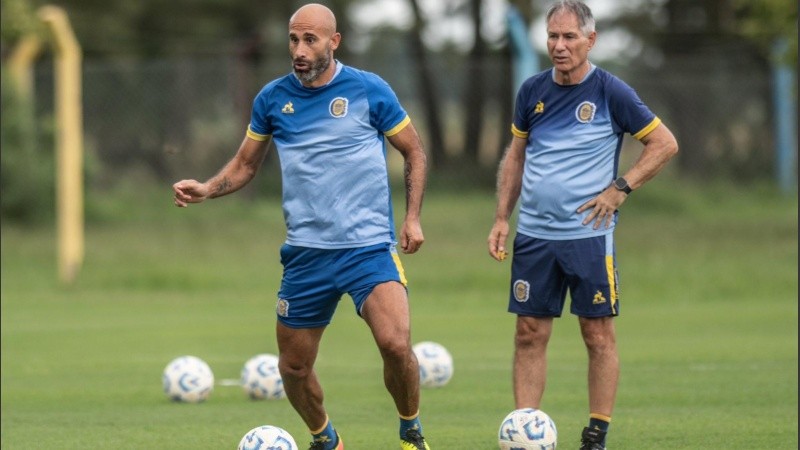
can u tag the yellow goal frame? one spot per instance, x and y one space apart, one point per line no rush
69 135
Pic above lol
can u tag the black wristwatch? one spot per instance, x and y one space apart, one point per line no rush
621 184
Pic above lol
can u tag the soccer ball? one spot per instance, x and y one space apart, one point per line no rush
261 378
188 379
267 437
435 364
527 429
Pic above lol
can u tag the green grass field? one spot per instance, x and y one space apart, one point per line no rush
707 336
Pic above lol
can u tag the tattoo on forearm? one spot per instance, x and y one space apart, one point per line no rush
407 177
223 186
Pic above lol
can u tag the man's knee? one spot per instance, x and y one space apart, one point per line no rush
396 346
290 371
598 334
531 333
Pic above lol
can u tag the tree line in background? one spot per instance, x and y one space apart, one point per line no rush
693 38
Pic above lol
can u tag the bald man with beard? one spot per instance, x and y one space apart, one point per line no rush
330 124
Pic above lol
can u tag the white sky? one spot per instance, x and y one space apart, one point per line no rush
455 29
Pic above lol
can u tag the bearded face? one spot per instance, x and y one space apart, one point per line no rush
308 70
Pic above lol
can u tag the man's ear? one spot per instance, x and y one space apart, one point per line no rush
335 40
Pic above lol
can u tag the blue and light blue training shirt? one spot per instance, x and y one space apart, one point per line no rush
332 152
574 137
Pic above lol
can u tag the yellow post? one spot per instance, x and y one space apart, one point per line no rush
20 63
69 142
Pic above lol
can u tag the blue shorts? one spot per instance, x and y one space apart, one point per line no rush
314 280
542 271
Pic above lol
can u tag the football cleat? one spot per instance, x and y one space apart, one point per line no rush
413 441
591 439
320 445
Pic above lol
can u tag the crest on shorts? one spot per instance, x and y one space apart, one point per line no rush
585 112
522 291
539 107
338 107
598 298
282 308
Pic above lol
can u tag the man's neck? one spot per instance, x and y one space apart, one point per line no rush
575 76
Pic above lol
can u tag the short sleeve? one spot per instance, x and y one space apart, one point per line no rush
260 127
630 114
385 112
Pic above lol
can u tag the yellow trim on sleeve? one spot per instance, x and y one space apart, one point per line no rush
255 136
518 133
399 127
646 130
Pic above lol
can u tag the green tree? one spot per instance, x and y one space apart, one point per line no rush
17 18
27 170
768 21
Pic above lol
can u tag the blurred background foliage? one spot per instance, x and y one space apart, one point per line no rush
167 85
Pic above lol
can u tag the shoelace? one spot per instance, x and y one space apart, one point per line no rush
316 445
415 438
589 445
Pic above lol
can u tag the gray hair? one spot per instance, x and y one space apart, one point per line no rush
581 11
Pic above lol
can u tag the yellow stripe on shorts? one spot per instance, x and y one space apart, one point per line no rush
400 269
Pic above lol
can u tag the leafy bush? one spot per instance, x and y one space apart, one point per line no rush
27 174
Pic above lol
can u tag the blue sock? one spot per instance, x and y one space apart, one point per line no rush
327 435
600 424
408 424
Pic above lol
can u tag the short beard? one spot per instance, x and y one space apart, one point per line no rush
317 68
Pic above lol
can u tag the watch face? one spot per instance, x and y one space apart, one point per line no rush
621 184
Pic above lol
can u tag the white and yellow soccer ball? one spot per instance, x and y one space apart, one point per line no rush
435 364
188 379
261 379
267 437
527 429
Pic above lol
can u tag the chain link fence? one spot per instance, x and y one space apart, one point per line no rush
179 118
